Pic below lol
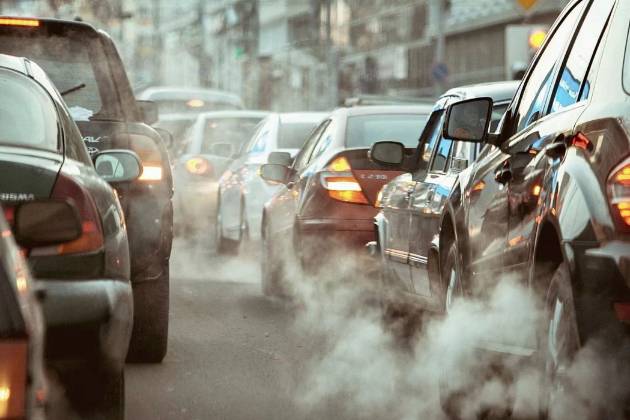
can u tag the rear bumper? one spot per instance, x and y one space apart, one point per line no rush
88 321
353 234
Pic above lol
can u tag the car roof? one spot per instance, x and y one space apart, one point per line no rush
27 68
233 114
185 93
498 91
301 117
384 109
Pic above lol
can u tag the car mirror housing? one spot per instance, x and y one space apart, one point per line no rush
116 166
388 153
280 158
468 120
46 222
276 174
149 110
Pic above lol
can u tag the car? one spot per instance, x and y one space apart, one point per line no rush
178 126
550 201
24 390
191 100
408 221
213 142
86 279
329 197
84 65
242 193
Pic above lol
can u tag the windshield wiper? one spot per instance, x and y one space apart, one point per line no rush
73 89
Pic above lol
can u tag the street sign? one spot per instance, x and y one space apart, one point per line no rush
527 4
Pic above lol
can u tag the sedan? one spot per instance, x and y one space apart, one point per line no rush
89 305
328 198
242 193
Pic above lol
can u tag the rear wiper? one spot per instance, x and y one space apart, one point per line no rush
73 89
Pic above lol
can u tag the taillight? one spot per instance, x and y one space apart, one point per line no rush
150 157
13 378
199 166
341 183
92 237
619 194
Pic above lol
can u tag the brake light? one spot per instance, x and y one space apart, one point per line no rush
619 194
19 22
92 237
150 156
151 172
341 183
13 378
198 166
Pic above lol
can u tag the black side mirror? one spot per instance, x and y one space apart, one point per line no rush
468 120
46 222
149 111
280 158
276 174
225 150
388 153
118 165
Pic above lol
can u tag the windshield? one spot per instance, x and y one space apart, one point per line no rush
234 131
77 67
27 115
365 130
293 135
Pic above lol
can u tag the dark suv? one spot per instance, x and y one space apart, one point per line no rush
551 199
84 65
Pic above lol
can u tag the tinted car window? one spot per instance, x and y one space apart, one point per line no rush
574 71
77 67
234 131
534 96
27 115
324 141
430 137
303 156
365 130
441 155
293 135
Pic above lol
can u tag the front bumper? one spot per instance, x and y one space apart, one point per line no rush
88 321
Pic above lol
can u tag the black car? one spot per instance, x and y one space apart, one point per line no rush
411 204
89 304
551 199
84 65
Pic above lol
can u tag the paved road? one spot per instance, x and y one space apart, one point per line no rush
232 353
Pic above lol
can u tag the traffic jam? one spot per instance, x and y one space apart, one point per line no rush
175 252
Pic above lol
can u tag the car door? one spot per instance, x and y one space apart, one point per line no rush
528 160
396 209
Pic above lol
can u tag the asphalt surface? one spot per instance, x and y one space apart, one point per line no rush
233 354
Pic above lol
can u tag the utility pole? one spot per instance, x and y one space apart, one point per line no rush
157 44
331 58
439 66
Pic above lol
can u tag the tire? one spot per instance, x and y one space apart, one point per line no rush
451 398
225 246
149 338
559 342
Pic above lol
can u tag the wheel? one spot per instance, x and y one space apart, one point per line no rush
451 397
559 343
149 338
225 246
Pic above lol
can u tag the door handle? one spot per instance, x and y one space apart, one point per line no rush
503 175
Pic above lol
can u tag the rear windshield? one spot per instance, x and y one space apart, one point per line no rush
77 66
293 135
365 130
27 115
193 106
234 131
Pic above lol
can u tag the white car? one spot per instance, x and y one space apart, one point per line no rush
242 193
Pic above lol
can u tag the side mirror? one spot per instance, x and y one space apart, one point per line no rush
274 173
222 149
46 222
166 135
118 165
149 111
389 153
280 158
468 120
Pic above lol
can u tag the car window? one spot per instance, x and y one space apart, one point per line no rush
540 80
575 69
28 117
365 130
441 155
234 131
463 152
429 138
259 142
324 141
301 160
292 135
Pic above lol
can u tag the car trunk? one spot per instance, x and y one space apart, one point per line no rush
27 174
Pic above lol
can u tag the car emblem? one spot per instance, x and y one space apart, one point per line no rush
92 139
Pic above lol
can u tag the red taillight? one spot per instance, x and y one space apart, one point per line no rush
341 183
92 237
13 378
619 194
19 22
